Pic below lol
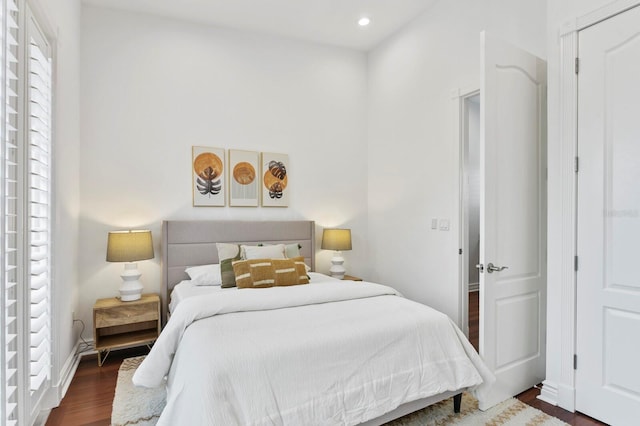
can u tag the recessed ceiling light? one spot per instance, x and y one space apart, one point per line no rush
364 21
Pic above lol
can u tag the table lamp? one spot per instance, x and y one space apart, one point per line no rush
129 247
338 240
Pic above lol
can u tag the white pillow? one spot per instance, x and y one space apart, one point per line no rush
292 250
275 251
205 274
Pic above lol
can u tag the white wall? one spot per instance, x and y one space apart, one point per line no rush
61 22
153 87
413 162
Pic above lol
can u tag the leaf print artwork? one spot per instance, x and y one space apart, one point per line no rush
275 180
208 168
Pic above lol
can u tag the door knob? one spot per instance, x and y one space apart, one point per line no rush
480 267
492 268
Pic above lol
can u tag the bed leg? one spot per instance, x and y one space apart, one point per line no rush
457 399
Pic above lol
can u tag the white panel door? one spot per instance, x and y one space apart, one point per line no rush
512 218
608 281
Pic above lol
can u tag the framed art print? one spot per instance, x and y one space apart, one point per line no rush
275 180
244 178
208 169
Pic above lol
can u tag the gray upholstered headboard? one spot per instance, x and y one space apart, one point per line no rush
191 243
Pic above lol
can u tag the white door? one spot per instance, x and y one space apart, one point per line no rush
608 282
512 217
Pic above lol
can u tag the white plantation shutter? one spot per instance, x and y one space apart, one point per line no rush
38 159
9 210
25 213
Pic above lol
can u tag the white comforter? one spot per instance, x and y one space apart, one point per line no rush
328 353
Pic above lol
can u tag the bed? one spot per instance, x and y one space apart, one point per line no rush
330 352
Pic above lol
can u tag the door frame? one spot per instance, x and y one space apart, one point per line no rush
459 97
559 386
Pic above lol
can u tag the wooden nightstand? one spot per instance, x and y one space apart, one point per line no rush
117 324
351 278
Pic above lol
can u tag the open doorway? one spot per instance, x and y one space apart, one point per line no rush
471 207
472 165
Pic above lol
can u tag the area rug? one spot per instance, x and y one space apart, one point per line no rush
133 405
142 407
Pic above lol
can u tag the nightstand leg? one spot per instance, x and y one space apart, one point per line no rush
102 360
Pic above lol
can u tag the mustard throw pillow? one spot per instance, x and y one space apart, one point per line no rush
261 273
301 270
254 273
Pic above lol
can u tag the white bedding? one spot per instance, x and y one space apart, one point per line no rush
333 352
186 289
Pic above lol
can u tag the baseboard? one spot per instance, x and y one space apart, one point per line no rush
42 418
567 397
70 367
57 391
549 393
474 287
88 350
560 395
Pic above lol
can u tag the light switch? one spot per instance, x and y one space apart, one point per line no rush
444 224
434 223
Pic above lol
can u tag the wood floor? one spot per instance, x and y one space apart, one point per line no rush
88 400
90 395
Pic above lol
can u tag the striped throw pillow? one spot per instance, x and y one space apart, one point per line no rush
242 274
254 273
261 273
301 270
285 272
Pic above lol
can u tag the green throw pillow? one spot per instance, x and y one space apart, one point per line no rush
227 253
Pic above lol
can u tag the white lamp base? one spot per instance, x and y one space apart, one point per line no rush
337 270
131 288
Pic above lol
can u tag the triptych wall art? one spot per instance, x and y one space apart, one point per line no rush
251 176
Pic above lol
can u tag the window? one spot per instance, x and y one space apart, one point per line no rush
25 199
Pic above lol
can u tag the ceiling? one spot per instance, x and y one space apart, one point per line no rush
326 21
